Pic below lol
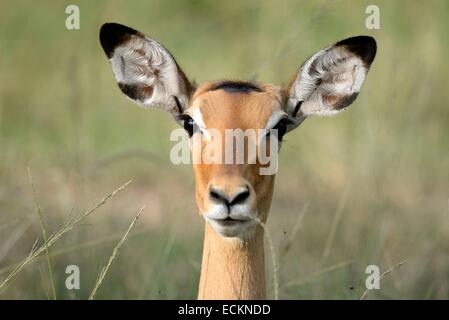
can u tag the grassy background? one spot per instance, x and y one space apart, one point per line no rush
373 181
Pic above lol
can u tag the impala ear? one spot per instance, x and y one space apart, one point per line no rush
329 81
145 71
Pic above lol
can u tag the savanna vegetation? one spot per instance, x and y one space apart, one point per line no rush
369 186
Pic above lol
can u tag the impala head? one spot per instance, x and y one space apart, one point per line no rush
231 196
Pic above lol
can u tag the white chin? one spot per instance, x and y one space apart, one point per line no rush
233 229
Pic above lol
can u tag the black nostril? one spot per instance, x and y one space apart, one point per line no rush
214 194
218 196
240 197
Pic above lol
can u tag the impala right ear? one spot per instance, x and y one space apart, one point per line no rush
145 71
329 81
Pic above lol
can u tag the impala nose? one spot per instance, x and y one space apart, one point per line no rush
229 199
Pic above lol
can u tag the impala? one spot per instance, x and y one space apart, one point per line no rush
233 198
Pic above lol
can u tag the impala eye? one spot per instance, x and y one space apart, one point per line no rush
188 124
281 128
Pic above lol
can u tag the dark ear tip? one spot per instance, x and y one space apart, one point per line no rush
113 34
363 46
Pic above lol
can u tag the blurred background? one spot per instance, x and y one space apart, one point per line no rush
369 186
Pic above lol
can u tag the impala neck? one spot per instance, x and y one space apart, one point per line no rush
232 268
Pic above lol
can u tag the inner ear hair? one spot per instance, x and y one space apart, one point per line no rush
144 69
330 80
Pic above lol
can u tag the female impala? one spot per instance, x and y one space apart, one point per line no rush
232 197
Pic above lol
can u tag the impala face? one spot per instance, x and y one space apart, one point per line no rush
233 196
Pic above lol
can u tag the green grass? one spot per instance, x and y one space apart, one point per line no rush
375 177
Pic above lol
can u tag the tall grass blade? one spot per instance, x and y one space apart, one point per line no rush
115 252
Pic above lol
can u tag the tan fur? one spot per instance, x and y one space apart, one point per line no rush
234 268
231 268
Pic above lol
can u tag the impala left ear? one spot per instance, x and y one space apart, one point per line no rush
145 71
329 81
